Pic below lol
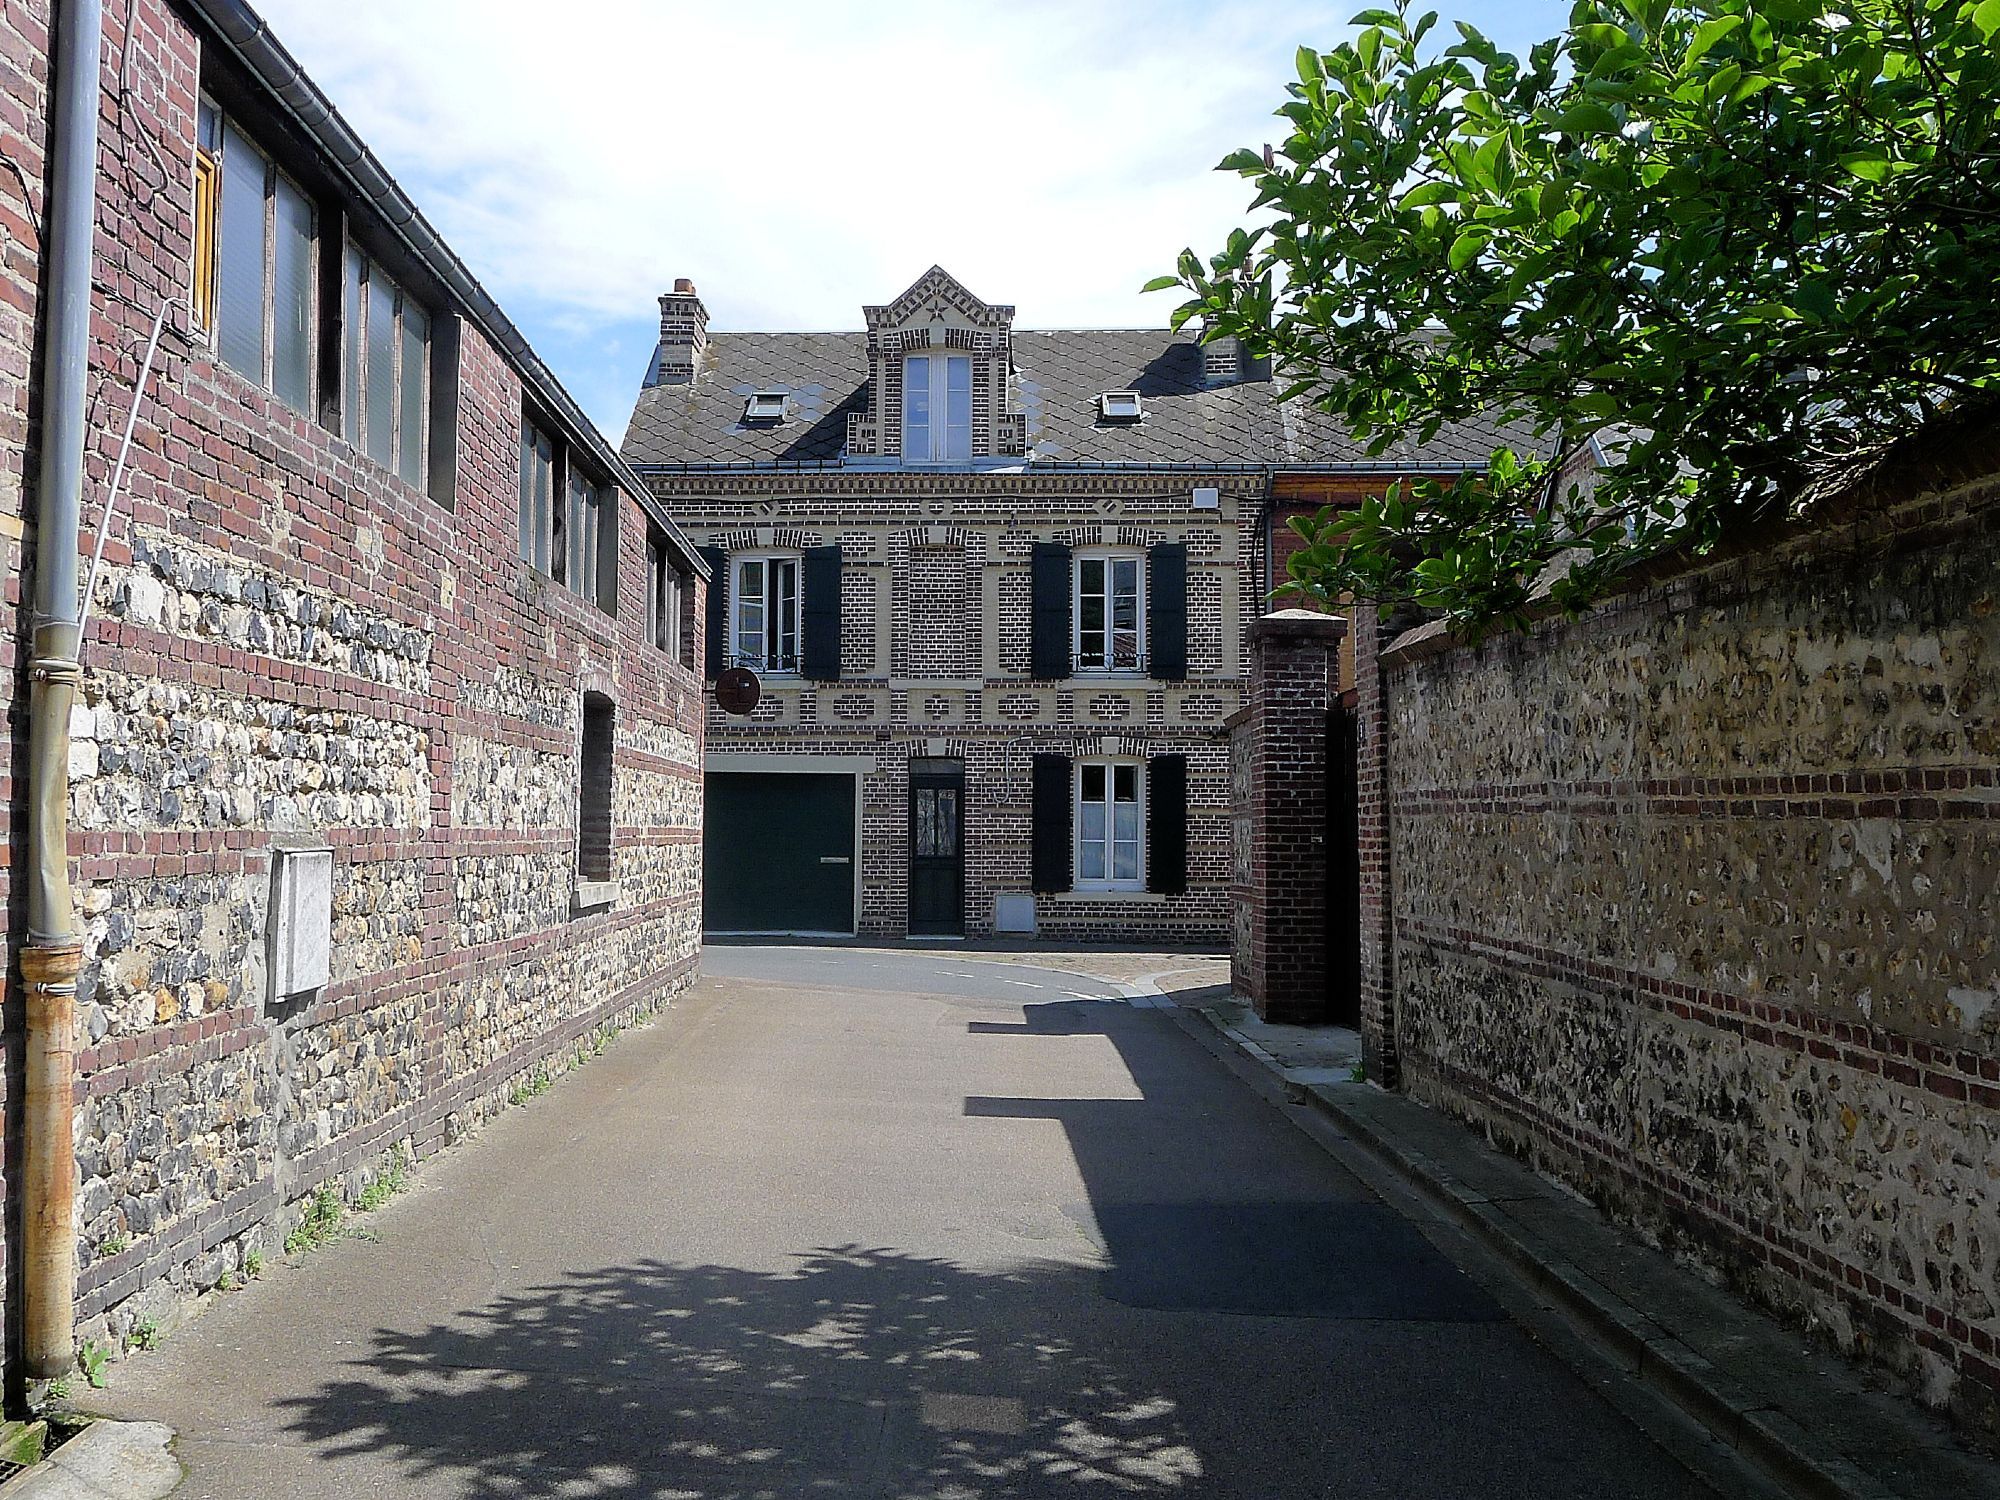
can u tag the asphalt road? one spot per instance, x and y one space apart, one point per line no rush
853 1227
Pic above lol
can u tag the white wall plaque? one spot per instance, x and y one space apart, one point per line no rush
301 926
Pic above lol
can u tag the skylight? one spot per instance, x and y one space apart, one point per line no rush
1119 406
765 406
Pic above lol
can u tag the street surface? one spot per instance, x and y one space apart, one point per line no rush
906 1225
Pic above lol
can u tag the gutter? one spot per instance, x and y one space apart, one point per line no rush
52 955
250 42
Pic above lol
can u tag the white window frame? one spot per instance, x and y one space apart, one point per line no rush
936 447
1107 667
1111 766
770 658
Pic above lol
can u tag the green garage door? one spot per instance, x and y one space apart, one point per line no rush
778 853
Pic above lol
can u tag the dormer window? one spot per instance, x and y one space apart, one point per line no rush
1119 406
765 406
937 409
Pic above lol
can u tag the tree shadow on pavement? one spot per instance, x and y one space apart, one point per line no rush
860 1370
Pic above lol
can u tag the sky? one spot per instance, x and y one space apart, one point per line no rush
798 160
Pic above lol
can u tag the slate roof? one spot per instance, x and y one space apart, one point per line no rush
1059 375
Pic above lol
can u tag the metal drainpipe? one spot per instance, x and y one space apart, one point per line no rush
53 953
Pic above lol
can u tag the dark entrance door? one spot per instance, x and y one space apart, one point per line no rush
937 847
1343 869
778 853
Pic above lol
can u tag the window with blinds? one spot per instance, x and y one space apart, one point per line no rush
538 477
386 388
255 272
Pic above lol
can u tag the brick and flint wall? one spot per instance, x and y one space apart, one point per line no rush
290 645
935 662
1693 902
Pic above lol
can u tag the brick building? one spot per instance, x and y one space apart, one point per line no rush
385 783
995 585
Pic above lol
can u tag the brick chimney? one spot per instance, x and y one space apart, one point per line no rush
683 333
1222 362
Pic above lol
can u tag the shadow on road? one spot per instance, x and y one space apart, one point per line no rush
1256 1325
655 1379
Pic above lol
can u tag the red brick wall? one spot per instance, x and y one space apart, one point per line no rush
291 642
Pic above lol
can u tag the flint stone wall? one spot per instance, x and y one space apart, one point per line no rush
1694 903
290 646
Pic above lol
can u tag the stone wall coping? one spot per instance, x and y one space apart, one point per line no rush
1298 625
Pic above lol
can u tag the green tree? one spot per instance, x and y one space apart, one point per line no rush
1741 244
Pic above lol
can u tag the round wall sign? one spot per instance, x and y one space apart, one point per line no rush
737 690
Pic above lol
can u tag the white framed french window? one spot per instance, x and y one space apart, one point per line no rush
764 611
937 408
1110 826
1108 598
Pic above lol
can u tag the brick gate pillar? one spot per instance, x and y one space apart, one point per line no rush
1278 762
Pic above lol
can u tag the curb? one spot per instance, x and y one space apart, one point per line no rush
1785 1452
1767 1438
106 1461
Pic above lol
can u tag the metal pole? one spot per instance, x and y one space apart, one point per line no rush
53 953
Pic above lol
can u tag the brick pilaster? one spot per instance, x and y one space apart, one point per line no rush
1279 756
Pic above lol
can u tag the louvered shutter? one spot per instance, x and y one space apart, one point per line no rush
1050 614
718 609
1050 862
1166 824
819 627
1166 611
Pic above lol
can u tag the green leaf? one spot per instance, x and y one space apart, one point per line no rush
1869 166
1161 283
1430 192
1589 118
1709 33
1986 16
1465 249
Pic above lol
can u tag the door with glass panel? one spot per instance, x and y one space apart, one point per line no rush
937 847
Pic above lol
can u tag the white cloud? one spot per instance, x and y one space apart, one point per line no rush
800 159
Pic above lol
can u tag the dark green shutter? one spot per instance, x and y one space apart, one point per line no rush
1049 653
819 627
1166 824
718 609
1050 862
1166 610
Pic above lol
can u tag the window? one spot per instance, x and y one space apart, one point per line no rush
568 522
386 367
1120 406
1109 824
254 261
538 478
591 530
765 406
937 408
663 598
594 808
766 621
1110 612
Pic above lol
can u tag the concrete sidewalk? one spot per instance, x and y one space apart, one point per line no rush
1801 1414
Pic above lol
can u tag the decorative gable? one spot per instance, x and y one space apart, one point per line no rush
937 315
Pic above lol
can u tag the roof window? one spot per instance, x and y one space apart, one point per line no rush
765 406
1119 406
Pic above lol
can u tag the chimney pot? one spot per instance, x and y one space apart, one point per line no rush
683 284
